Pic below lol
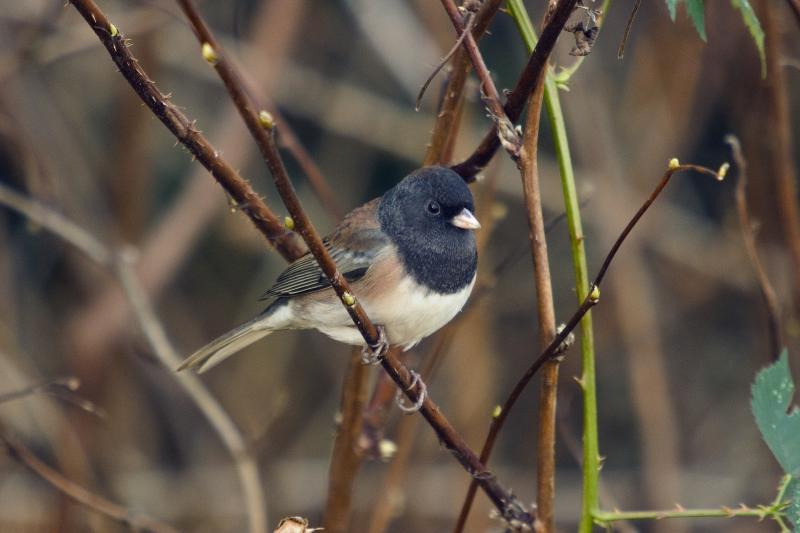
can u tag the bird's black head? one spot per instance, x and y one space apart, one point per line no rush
429 217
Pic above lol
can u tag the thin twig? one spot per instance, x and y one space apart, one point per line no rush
534 70
71 384
243 195
208 405
776 338
488 88
628 26
593 297
467 28
132 520
440 148
262 127
546 318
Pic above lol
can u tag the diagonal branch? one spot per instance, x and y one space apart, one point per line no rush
187 134
534 70
88 244
134 521
557 346
444 130
463 29
509 507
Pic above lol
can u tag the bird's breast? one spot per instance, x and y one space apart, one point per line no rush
408 310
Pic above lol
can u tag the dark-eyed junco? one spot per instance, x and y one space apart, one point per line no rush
409 255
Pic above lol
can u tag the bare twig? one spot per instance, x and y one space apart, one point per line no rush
262 127
116 512
467 28
234 84
208 405
185 131
546 318
440 148
534 71
71 384
554 349
346 457
628 26
488 88
776 339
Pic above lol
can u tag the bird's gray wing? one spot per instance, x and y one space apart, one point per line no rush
354 246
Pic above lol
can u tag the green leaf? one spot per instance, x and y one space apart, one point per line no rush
793 497
754 26
672 6
697 12
780 427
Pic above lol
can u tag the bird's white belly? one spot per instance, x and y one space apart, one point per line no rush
412 312
408 311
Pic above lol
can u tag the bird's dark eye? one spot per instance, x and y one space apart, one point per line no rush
433 207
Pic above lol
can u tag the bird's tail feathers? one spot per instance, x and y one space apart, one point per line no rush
226 345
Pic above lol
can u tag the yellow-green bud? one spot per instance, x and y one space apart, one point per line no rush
348 299
113 30
594 296
266 119
209 54
288 222
497 411
723 171
674 163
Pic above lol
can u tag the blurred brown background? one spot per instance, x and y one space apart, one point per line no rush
681 329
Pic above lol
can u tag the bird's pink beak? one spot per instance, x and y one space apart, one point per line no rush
465 220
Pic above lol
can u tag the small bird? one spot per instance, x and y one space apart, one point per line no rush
411 260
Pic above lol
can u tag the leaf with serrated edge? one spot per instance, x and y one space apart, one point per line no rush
754 26
793 497
780 427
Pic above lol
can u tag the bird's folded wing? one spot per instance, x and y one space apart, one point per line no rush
354 246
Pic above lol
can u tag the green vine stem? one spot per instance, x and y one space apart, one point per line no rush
591 451
773 511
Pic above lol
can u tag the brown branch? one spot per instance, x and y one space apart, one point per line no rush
782 159
262 127
446 126
488 88
118 513
346 457
628 26
546 318
70 384
556 347
137 298
534 71
185 131
776 338
467 28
